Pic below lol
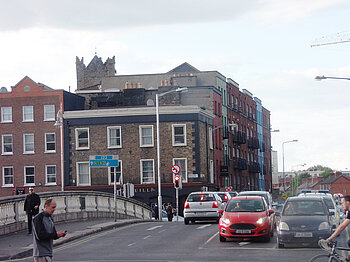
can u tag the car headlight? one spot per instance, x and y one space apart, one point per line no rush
225 220
283 226
261 220
323 226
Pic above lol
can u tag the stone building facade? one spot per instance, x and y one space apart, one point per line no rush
184 141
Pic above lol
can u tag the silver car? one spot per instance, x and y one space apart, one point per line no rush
202 206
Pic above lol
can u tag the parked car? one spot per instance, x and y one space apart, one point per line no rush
304 220
246 216
331 204
266 195
202 206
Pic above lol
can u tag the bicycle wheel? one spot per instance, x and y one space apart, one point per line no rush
324 258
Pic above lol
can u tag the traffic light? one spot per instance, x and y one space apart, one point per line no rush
177 182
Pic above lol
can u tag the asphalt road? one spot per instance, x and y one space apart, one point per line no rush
163 241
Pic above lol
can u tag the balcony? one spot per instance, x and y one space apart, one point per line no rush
239 163
239 137
253 167
253 143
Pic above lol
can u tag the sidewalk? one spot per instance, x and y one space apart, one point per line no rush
19 244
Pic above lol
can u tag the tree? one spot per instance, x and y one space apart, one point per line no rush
326 170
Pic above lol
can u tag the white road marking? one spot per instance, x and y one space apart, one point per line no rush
210 239
147 237
155 227
243 243
204 226
161 231
131 244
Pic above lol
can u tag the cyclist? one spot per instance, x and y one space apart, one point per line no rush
345 201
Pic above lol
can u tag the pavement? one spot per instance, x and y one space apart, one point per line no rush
20 244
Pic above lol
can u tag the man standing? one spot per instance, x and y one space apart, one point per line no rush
44 233
31 207
170 212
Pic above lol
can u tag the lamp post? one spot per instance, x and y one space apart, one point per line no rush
180 89
59 123
284 179
296 177
319 78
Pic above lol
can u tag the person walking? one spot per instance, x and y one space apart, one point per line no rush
31 207
170 212
155 211
44 232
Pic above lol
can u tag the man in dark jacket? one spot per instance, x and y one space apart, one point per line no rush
44 232
31 207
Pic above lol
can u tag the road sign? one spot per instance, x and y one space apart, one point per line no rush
175 169
104 157
228 188
103 163
284 196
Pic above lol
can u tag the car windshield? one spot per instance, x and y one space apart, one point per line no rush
256 194
304 208
245 205
201 197
329 202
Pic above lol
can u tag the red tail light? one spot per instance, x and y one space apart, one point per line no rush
187 205
215 204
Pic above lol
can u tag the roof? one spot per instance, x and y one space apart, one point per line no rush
248 197
184 68
332 179
95 63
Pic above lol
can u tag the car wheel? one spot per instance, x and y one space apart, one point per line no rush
186 221
222 239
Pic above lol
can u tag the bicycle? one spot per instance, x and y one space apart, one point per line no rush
331 248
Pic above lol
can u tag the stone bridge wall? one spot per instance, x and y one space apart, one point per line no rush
71 206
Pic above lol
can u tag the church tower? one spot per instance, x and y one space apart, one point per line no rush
88 76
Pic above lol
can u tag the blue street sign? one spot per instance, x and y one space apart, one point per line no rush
104 163
104 157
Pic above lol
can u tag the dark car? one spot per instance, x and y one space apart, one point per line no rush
304 220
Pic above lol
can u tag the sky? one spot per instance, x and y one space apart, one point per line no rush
264 45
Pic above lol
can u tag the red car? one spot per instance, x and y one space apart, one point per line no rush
246 216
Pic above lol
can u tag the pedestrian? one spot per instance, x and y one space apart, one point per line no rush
170 212
45 232
31 207
155 211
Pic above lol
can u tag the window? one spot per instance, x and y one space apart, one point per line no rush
50 175
28 143
118 174
182 163
211 170
82 138
147 171
114 137
50 142
28 114
29 175
179 135
6 115
7 176
7 145
146 136
49 113
211 138
83 174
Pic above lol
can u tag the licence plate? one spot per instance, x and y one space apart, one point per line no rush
303 234
243 231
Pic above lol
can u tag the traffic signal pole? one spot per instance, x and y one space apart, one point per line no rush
177 204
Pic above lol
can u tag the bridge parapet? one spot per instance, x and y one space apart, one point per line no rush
71 206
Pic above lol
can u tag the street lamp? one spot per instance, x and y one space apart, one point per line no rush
180 89
319 78
59 123
296 177
284 179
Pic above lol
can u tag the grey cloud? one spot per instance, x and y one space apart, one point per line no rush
107 14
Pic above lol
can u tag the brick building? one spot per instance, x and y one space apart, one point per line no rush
30 143
130 133
241 159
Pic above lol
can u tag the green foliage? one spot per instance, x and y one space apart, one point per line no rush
326 170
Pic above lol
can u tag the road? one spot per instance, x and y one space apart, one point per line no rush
163 241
